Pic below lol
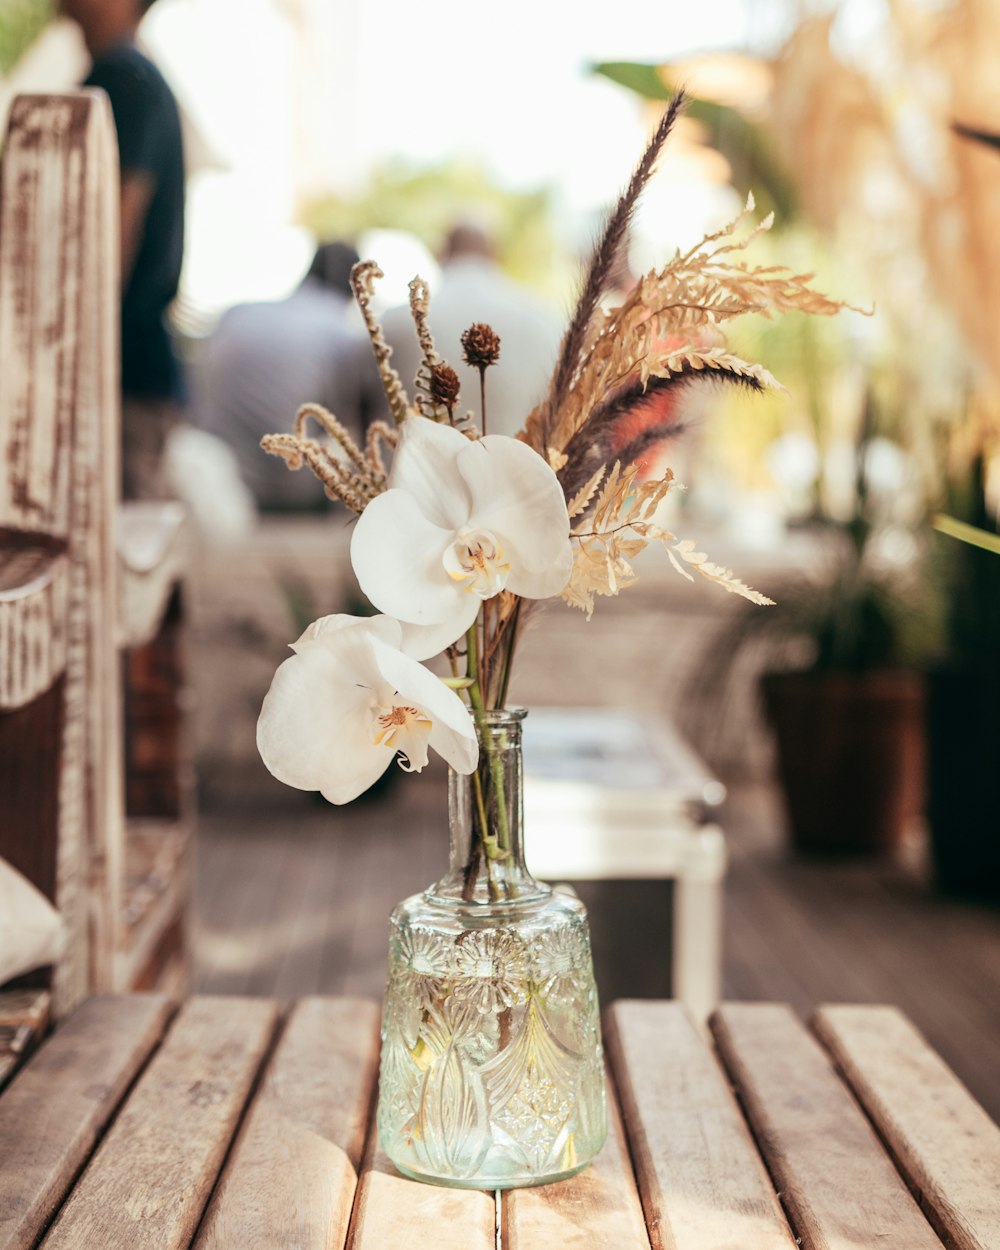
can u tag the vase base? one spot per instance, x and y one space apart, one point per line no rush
491 1183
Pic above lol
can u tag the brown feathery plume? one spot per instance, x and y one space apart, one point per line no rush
670 322
635 418
602 265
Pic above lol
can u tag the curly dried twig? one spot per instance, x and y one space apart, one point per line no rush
379 434
338 482
325 419
363 277
354 481
419 308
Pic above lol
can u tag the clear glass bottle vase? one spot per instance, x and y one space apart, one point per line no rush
492 1071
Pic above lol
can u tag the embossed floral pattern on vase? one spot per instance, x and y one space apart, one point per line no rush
491 1059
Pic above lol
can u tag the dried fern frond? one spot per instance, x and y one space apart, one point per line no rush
363 277
608 541
579 503
621 526
685 549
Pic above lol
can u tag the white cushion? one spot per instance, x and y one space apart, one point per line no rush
32 933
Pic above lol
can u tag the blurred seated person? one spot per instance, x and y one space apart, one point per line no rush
151 160
265 359
473 288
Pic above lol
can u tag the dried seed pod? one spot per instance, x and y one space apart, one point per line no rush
480 346
444 386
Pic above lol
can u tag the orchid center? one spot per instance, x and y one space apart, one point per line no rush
476 559
404 729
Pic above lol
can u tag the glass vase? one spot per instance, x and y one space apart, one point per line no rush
492 1071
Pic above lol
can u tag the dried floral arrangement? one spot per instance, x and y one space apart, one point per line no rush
465 530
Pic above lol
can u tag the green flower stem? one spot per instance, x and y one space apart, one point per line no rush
495 847
508 656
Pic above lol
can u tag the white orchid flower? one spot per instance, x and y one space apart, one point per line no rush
461 520
349 700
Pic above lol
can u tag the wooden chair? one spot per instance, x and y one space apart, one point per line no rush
89 588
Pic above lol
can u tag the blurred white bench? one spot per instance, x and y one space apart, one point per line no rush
611 794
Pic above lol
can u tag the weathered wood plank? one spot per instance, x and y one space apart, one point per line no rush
597 1210
58 1105
837 1184
943 1142
701 1180
23 1016
291 1178
148 1183
392 1211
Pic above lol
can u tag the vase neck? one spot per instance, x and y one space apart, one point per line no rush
485 817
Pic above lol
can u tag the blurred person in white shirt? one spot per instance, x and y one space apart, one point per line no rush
473 288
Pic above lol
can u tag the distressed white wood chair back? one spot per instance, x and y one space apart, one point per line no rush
59 423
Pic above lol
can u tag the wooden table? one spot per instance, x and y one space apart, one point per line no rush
230 1123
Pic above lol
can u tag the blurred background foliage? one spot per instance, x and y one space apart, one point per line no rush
426 202
20 23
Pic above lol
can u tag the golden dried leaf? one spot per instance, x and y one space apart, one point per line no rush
685 550
582 498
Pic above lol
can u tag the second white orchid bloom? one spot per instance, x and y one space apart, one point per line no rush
348 701
461 520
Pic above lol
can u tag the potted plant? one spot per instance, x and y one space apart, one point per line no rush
848 727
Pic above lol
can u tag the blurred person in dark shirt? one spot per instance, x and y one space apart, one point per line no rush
151 161
266 358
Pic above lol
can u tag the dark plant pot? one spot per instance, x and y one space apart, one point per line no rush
963 743
850 753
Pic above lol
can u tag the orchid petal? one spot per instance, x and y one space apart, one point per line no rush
347 701
424 466
541 583
452 735
313 729
517 496
385 627
396 554
423 641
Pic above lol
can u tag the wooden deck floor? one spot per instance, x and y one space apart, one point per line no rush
293 899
